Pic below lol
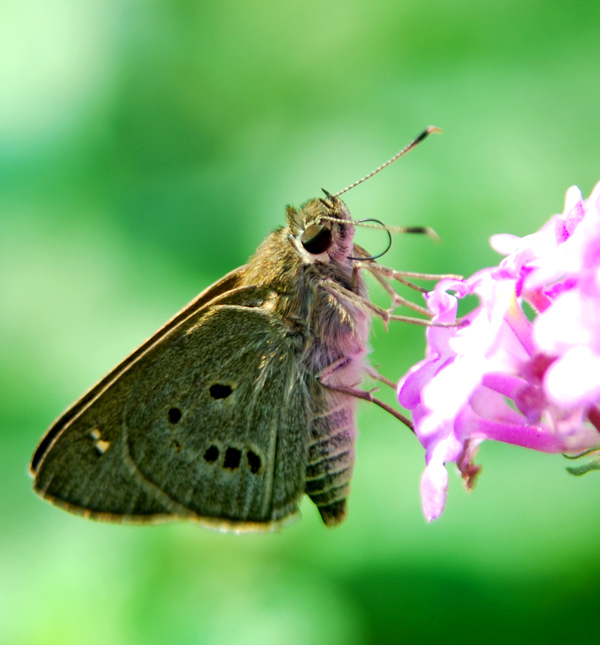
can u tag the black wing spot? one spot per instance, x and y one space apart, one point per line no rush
211 455
232 458
220 391
253 462
174 415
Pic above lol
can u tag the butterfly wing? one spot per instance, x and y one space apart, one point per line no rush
208 423
226 284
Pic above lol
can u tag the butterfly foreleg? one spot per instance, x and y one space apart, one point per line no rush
396 298
350 298
403 276
380 273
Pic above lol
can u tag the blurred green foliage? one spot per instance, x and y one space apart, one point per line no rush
146 148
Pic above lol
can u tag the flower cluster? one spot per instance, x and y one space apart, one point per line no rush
499 375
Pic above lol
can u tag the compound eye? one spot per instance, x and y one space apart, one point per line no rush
316 239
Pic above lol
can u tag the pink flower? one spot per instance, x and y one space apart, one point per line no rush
499 376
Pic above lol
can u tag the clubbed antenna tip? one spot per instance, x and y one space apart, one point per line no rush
430 130
423 230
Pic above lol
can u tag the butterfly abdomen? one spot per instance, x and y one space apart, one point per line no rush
331 456
337 359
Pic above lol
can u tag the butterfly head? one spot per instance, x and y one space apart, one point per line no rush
321 229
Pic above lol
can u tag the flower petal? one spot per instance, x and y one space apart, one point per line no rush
434 486
574 379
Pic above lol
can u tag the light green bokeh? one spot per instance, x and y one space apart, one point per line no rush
146 148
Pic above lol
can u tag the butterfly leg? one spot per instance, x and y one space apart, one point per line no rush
358 393
368 396
397 299
379 377
403 276
341 293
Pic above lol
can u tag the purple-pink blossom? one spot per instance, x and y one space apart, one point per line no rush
499 375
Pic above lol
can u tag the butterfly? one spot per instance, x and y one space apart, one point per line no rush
243 402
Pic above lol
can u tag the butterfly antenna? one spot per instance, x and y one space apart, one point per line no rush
415 142
423 230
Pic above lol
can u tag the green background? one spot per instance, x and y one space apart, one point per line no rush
146 148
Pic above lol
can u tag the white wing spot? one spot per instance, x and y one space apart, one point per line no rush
100 445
